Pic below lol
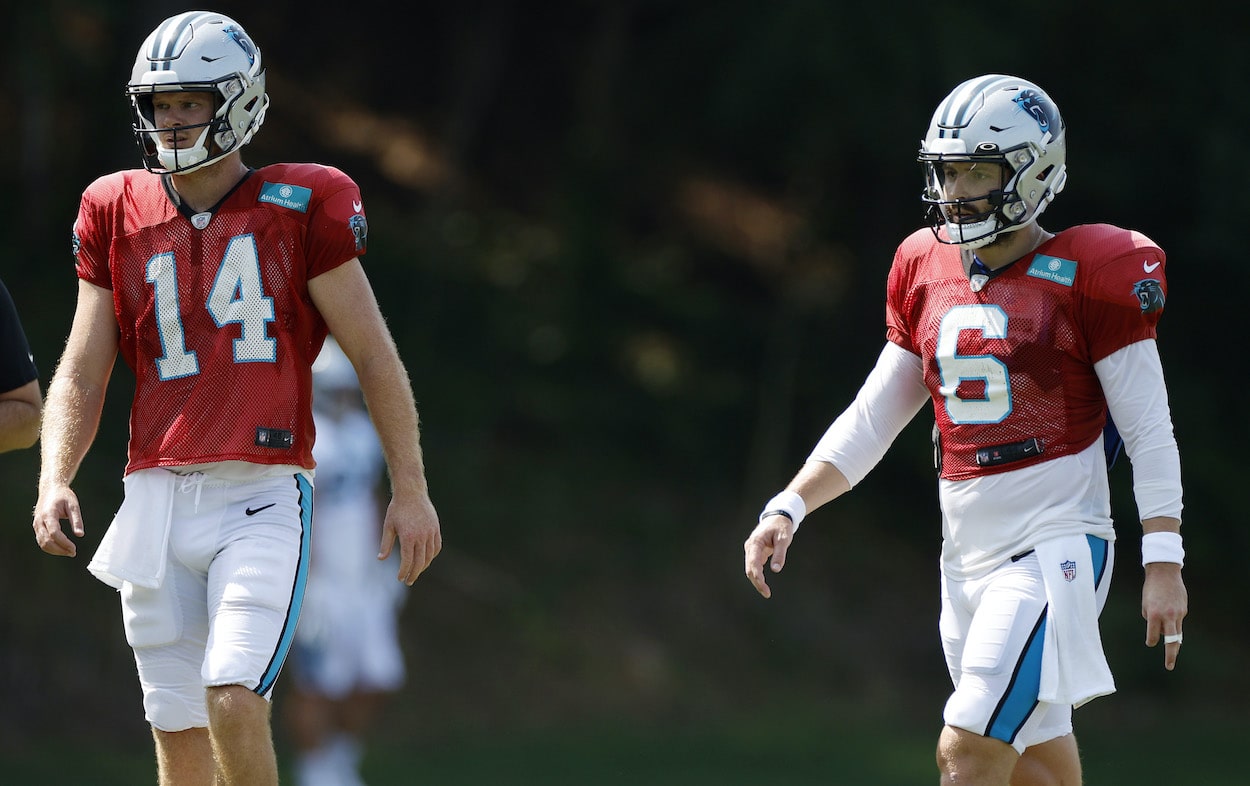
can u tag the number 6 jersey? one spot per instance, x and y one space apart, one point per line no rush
213 308
1008 355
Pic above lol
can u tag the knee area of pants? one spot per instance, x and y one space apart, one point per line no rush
171 711
965 710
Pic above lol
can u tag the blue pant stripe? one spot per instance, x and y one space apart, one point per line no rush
1021 696
1099 550
287 636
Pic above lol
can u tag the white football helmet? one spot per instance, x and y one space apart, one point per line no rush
1002 120
198 51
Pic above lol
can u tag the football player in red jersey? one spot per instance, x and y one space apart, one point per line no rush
1024 341
218 283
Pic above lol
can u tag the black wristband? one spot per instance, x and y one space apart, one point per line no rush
777 512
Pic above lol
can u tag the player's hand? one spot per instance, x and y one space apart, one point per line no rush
413 523
769 542
1164 604
56 504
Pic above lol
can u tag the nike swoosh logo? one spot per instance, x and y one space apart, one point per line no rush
357 206
208 59
1149 268
254 511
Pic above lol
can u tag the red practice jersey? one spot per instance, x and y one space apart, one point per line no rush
213 309
1014 361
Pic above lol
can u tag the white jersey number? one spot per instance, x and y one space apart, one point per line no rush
955 368
237 296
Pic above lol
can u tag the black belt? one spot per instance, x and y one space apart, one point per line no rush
1012 451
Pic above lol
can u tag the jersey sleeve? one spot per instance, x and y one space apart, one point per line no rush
91 238
337 228
898 329
1123 298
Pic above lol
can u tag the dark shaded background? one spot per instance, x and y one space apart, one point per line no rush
634 255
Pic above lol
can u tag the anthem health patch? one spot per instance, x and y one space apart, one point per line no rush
288 196
1060 271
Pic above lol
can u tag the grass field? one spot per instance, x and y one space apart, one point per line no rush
779 751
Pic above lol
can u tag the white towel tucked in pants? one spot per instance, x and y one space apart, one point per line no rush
133 549
1074 667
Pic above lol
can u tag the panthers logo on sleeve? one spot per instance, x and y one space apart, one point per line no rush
1149 295
360 231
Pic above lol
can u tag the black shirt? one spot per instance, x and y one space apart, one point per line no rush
17 367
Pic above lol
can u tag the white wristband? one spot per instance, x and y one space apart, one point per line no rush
1162 547
788 504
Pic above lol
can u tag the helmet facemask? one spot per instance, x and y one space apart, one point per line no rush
976 220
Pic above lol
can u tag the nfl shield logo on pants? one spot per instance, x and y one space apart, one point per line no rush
1069 569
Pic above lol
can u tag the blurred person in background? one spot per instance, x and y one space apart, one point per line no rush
218 283
347 656
21 400
1023 340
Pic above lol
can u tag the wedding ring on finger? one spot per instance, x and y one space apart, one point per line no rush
1173 638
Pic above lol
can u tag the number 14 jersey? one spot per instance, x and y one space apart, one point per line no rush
213 308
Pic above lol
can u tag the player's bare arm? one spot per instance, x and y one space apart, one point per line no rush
20 411
346 301
72 416
818 482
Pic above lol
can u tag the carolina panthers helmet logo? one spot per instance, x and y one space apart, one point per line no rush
1149 295
360 230
1040 109
237 35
